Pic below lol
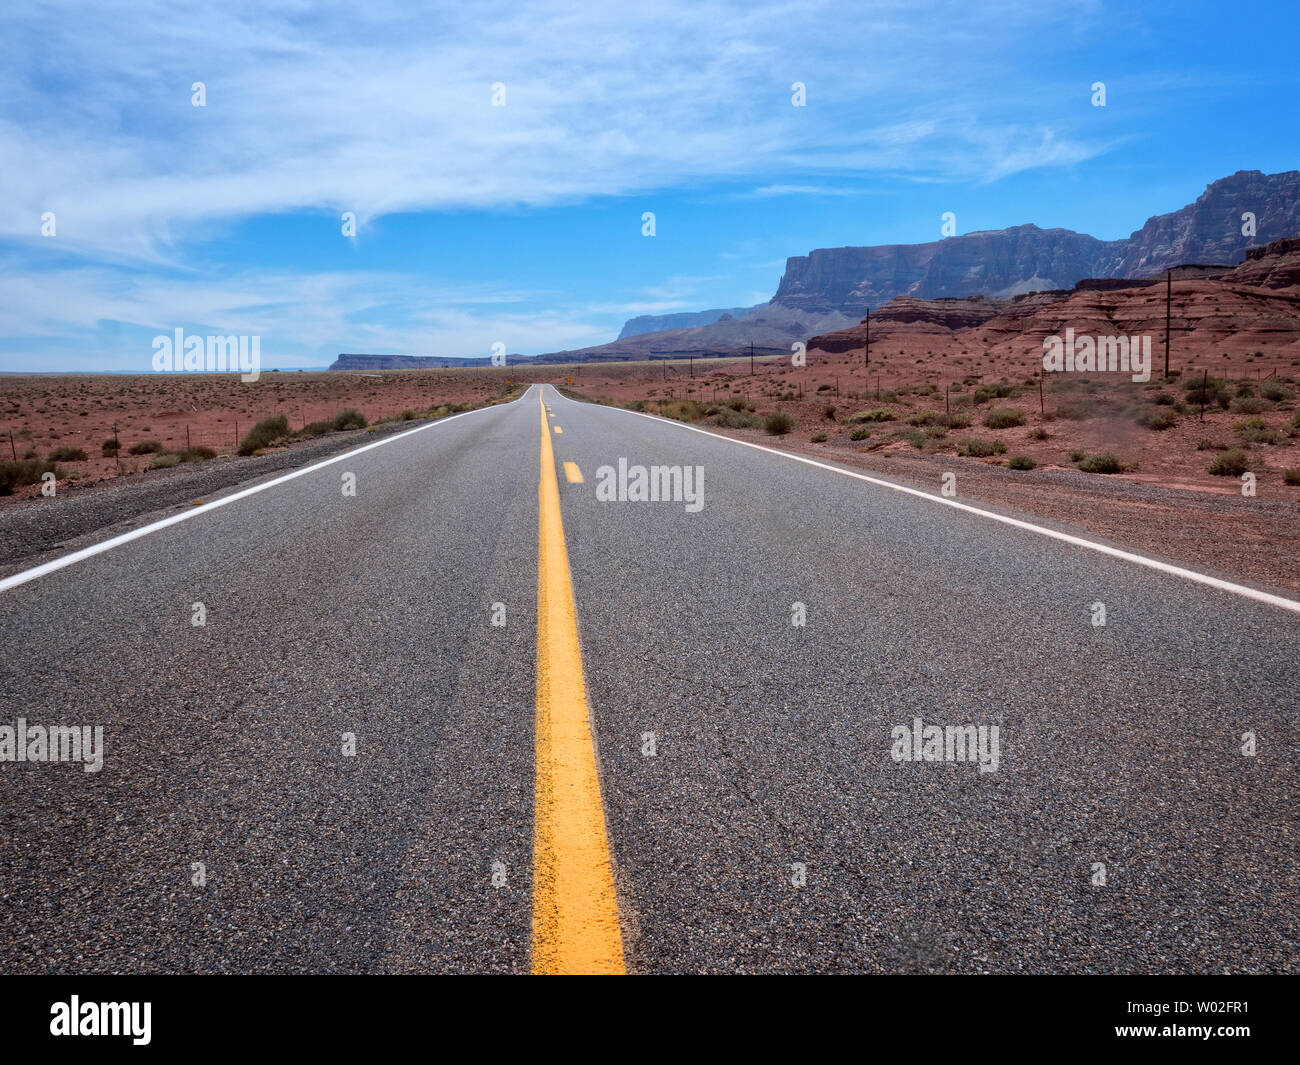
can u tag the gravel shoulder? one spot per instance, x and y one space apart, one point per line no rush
33 530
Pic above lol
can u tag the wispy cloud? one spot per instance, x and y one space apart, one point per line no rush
392 111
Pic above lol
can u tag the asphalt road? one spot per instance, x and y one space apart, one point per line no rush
771 829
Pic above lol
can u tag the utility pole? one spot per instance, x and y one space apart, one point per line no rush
751 358
867 350
1169 295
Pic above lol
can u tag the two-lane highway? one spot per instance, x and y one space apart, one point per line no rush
764 655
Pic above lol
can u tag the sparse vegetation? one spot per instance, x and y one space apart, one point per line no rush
1158 419
1104 463
1004 418
197 453
343 421
982 449
735 418
778 423
1230 463
1021 462
267 432
145 447
24 472
68 453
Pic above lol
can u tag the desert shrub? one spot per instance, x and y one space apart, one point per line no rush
145 447
343 421
68 453
926 417
818 438
956 421
915 437
859 434
314 429
24 472
1163 399
409 415
778 423
197 453
1291 476
109 448
1021 462
877 415
1230 463
982 449
265 433
1004 418
1274 391
734 418
1106 463
165 461
1158 419
1202 391
1038 433
1248 406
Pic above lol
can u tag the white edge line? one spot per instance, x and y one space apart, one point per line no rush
1077 541
135 534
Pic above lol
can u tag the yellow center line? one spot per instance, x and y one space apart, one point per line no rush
575 912
572 472
558 430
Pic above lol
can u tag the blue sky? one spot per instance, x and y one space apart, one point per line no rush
521 224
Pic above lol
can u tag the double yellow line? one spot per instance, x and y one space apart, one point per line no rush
575 912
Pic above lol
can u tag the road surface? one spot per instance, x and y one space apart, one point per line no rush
339 770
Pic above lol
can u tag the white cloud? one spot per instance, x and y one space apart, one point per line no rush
389 110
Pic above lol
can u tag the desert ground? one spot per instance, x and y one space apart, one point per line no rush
922 407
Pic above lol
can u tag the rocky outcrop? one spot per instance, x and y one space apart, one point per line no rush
1002 263
1249 307
1210 230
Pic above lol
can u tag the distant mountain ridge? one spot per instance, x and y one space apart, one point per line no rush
656 323
1009 262
830 289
